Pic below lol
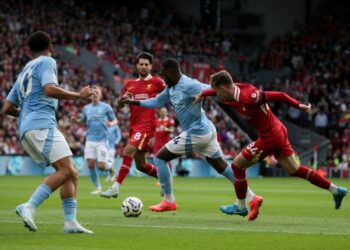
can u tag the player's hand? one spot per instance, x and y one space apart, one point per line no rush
108 124
128 94
304 107
86 92
198 98
125 99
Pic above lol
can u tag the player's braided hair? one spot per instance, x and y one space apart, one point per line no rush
220 78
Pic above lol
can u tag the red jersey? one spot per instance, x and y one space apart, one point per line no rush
143 119
251 104
162 136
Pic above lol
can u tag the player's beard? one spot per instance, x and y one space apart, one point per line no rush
144 73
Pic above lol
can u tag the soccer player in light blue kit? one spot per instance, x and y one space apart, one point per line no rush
114 137
98 117
199 133
33 99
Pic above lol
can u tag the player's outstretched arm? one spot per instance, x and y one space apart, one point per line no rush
51 90
157 102
274 96
10 109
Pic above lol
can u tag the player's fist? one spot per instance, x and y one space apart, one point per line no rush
86 92
128 94
304 107
125 99
198 98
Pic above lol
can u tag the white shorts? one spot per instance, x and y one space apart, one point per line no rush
46 145
206 145
96 151
111 154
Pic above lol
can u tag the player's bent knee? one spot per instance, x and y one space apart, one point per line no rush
75 173
70 172
91 163
292 170
140 166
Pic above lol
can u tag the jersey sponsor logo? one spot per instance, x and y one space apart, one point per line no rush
141 96
149 86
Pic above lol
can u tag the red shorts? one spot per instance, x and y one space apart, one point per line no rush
141 140
276 144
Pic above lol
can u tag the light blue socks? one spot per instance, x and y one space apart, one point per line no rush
40 195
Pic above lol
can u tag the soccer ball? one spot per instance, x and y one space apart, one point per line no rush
132 207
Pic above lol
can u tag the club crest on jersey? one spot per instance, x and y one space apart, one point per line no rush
149 86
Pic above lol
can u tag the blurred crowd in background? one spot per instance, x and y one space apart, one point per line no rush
315 55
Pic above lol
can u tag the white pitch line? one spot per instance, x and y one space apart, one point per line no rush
234 229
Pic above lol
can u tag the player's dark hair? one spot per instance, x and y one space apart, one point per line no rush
171 64
144 55
39 41
220 78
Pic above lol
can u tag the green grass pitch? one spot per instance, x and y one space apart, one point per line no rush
295 215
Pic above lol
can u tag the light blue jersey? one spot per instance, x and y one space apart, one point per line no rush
190 115
114 136
95 116
37 111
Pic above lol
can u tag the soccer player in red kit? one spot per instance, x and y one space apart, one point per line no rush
251 103
164 128
142 123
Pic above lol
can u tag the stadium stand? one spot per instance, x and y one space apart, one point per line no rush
118 43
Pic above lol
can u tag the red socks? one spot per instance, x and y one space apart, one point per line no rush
150 169
312 176
124 169
240 183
